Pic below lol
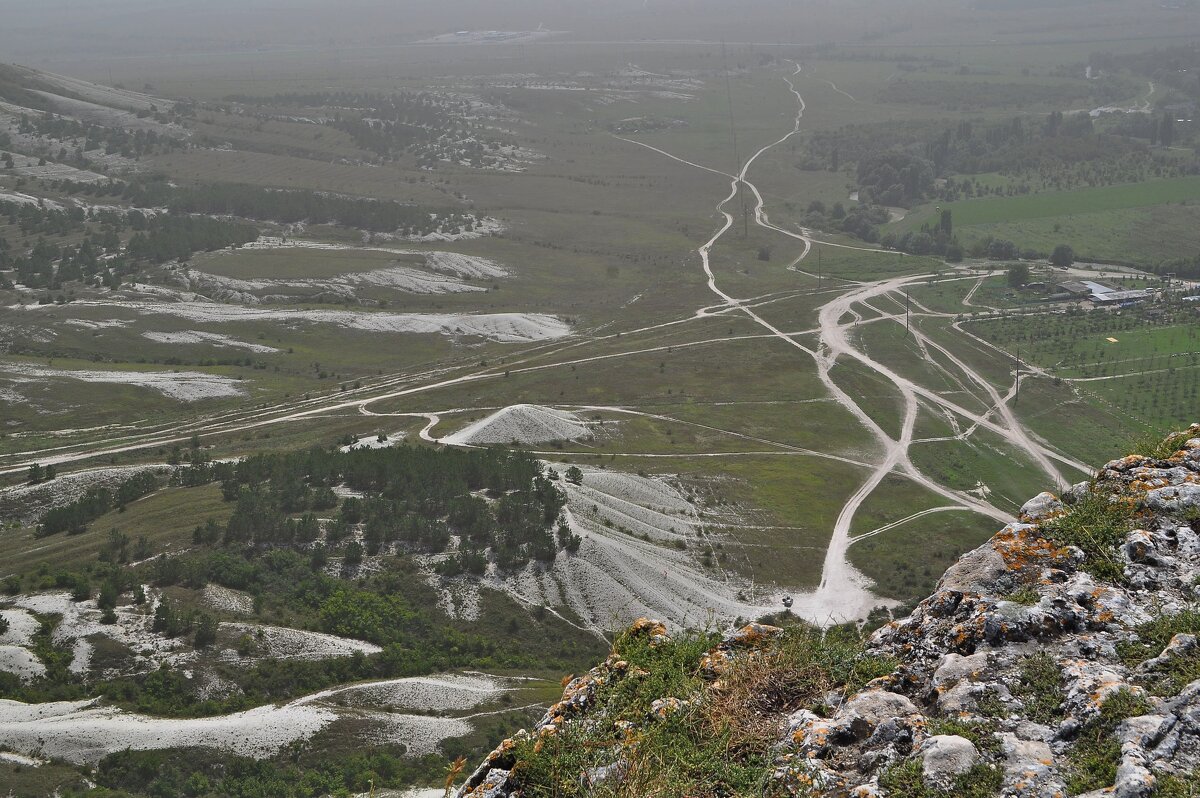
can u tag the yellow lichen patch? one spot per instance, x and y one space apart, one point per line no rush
648 627
1025 549
505 747
754 635
715 663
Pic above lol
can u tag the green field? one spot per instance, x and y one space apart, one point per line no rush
1069 203
165 519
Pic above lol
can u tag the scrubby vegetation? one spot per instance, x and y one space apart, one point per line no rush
897 163
698 742
252 202
84 137
201 772
433 128
393 607
1097 523
292 543
1152 637
176 237
1039 688
73 518
906 780
1092 762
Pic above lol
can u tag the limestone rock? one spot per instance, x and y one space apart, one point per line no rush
944 757
1024 647
1040 508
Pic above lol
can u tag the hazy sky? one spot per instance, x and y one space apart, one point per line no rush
83 33
48 28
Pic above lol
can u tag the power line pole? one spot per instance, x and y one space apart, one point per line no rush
907 313
1017 367
818 268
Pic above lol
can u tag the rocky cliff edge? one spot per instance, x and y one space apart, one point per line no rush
1058 659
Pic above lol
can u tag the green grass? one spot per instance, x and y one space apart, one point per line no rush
906 562
1099 344
1154 636
886 341
1139 223
876 395
165 518
716 743
1172 786
983 458
893 500
1092 762
1039 689
1139 236
1098 524
803 497
1077 422
982 734
907 780
1066 203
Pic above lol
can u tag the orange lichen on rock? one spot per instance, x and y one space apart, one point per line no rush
715 663
648 627
752 635
1024 548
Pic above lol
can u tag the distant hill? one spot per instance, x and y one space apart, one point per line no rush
45 91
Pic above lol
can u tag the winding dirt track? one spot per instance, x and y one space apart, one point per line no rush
843 593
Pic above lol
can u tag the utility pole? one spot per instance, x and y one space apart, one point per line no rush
907 313
818 268
1017 365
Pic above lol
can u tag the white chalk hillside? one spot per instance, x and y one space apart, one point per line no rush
523 424
84 732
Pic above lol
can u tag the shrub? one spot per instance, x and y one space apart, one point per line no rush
715 742
1158 447
1098 524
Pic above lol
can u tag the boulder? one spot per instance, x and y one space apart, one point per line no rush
945 757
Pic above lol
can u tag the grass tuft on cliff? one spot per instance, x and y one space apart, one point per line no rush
717 741
1097 523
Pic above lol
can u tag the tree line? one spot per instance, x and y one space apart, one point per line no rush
499 503
176 237
287 207
73 518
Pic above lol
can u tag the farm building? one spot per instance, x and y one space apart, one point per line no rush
1120 298
1081 289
